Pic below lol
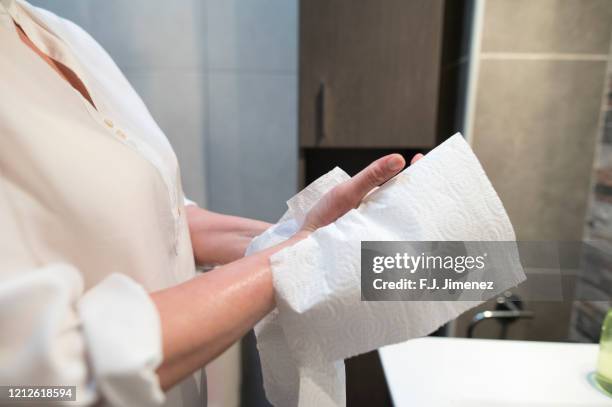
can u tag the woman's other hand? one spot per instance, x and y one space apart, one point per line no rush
220 239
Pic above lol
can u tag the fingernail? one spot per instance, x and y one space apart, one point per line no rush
395 163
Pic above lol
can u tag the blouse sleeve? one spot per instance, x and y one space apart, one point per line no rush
105 341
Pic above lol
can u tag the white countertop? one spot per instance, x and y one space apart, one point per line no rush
493 373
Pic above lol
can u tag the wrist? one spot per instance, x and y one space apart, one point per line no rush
300 235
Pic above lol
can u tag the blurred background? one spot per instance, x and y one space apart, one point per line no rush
259 97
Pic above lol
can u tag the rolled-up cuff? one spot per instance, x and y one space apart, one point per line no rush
123 334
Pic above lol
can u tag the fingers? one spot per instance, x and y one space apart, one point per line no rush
375 174
348 195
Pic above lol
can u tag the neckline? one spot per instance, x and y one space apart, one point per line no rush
65 72
50 44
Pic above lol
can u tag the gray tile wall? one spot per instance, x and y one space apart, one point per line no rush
547 26
535 121
252 155
540 83
587 316
542 116
252 146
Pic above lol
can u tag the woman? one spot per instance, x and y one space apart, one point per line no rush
97 249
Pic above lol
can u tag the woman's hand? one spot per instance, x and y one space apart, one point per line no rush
349 194
202 317
220 239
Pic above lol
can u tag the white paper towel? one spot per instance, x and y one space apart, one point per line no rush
320 319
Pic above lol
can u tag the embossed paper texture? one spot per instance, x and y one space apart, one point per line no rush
320 319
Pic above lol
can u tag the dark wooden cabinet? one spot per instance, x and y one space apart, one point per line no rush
369 72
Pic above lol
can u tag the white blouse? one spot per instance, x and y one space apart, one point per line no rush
91 219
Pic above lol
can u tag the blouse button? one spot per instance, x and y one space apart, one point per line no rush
109 123
121 135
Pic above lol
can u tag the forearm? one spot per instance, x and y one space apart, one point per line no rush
218 238
204 316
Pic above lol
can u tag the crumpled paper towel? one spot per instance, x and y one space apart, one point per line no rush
320 319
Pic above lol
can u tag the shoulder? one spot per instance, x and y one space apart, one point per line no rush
76 36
